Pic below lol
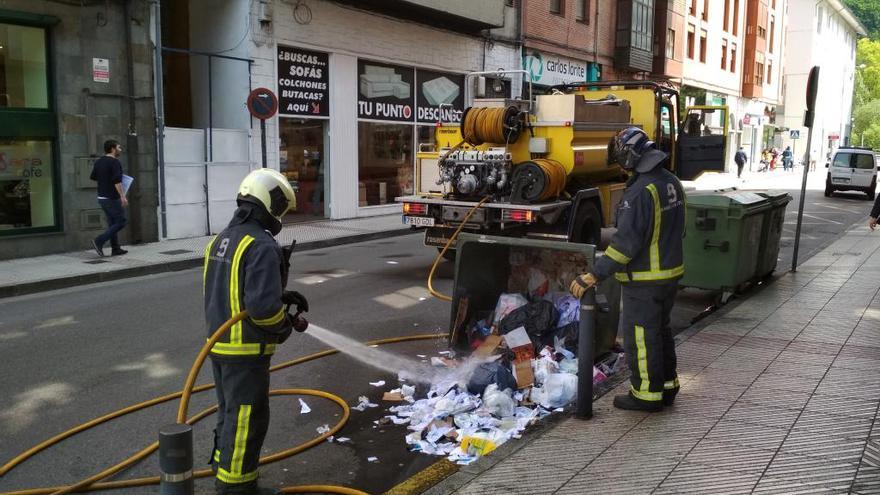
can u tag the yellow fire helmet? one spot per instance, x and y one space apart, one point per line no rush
270 189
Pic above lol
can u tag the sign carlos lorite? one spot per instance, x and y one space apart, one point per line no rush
303 82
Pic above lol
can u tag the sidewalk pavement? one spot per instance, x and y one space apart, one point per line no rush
779 395
28 275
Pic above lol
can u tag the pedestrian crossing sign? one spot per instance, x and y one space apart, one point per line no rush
795 133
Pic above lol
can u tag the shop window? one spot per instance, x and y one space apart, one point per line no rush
23 68
385 162
302 161
26 184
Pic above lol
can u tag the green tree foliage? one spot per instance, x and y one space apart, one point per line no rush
867 79
867 123
867 11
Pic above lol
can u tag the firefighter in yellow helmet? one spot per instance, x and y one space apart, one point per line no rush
645 255
246 270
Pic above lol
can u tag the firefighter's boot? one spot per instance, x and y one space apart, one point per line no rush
630 403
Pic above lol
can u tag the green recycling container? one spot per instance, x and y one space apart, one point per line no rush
488 266
771 233
722 238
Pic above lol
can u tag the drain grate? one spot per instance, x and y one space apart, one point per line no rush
94 262
175 251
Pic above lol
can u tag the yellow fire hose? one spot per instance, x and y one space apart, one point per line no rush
434 292
93 482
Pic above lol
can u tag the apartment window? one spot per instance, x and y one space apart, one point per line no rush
733 58
703 36
705 10
772 32
723 54
735 17
556 6
580 11
690 45
759 74
773 4
670 43
726 15
693 8
769 72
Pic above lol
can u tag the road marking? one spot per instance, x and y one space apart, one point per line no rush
404 298
27 405
155 366
56 322
833 207
323 277
823 219
426 478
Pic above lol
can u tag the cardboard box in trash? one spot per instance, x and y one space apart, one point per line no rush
519 342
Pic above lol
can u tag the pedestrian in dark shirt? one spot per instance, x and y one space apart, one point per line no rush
107 171
740 158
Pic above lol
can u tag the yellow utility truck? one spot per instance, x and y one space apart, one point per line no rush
538 167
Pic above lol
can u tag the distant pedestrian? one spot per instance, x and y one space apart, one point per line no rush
786 159
740 158
107 171
765 160
875 213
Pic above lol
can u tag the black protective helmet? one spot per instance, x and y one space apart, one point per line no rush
627 147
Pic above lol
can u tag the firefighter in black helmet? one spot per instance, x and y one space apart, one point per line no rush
645 255
245 270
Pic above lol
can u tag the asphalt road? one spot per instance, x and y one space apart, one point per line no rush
75 354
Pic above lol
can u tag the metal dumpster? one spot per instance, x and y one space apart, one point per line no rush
771 233
723 235
488 266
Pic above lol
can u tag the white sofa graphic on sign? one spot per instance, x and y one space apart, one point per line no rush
380 82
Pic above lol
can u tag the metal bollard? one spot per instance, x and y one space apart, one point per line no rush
586 336
176 459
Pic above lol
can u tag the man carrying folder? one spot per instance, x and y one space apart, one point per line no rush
107 172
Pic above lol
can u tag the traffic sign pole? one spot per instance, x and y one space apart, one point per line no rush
812 89
262 104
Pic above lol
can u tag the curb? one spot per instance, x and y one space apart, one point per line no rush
172 266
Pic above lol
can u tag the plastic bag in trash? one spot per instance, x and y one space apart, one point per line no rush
559 389
507 303
488 373
538 318
566 305
538 283
499 403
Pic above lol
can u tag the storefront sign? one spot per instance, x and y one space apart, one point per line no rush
440 96
546 69
101 70
303 82
385 92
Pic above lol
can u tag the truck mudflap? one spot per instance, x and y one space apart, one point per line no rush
438 236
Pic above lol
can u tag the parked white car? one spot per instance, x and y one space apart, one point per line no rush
852 169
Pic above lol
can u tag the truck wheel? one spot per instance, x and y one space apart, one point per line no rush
588 229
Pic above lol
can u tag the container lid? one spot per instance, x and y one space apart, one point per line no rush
776 196
727 200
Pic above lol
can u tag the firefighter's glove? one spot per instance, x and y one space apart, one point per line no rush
580 284
294 298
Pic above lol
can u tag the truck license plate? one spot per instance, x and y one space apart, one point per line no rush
840 179
419 221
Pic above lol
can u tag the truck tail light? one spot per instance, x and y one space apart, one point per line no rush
523 216
415 209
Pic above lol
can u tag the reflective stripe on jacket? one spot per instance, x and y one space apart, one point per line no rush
242 271
647 247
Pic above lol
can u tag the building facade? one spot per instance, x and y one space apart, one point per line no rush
72 75
568 41
361 88
820 34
